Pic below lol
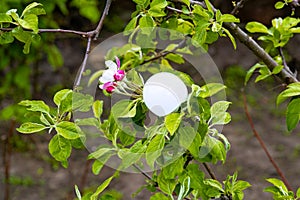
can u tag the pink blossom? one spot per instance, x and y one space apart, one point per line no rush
108 86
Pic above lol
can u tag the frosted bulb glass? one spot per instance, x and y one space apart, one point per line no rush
163 93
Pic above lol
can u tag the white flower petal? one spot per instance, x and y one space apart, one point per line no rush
107 76
111 65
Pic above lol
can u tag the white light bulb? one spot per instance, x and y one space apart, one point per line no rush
163 93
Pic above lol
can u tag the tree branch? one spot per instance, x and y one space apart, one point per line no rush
244 38
259 51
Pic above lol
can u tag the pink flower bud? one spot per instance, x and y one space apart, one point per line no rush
108 86
119 75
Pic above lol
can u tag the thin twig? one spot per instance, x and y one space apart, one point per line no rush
164 53
84 63
95 35
262 144
238 6
174 9
104 14
210 172
286 67
7 158
144 173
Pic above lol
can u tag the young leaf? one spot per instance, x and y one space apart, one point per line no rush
298 193
256 27
30 127
29 7
5 18
77 193
154 149
293 89
159 196
36 106
177 58
229 18
166 185
279 5
131 25
172 122
60 95
102 187
293 114
60 148
210 89
218 112
98 109
251 71
124 109
68 130
6 38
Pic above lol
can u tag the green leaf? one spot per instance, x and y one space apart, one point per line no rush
293 114
174 169
241 185
298 193
101 188
26 37
293 89
159 196
68 130
146 21
209 7
166 185
36 106
82 102
214 183
5 18
100 162
124 109
251 71
98 109
154 149
177 58
186 2
277 69
219 114
30 21
256 27
279 5
30 127
60 148
131 25
60 95
29 7
6 38
229 18
230 37
279 184
140 2
132 155
186 136
77 193
100 152
172 122
156 12
211 89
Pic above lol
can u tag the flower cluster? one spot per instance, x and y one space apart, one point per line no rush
111 76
